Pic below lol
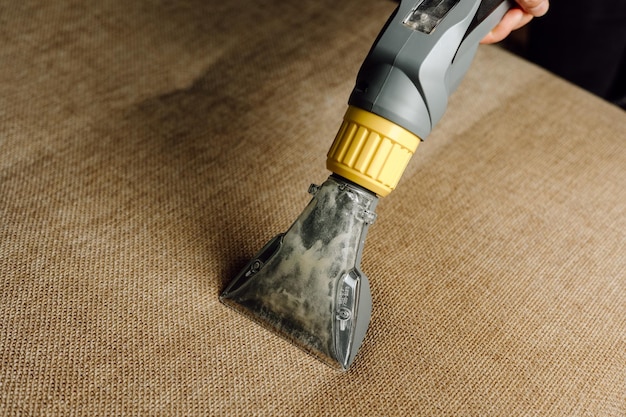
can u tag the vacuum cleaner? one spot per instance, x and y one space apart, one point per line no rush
306 283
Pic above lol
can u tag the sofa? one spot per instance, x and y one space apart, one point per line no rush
149 149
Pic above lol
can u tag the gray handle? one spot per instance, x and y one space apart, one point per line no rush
420 57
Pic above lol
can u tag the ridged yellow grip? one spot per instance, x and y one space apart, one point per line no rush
371 151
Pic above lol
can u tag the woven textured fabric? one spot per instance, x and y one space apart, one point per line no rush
149 149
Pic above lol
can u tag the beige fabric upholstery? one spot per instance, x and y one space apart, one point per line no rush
149 149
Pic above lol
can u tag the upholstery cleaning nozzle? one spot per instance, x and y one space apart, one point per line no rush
306 283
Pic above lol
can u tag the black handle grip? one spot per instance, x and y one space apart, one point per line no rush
485 9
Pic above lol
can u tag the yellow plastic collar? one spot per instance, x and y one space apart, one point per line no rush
371 151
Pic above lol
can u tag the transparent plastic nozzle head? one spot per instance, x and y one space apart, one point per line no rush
306 284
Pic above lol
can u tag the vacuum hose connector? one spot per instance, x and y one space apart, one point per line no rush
371 151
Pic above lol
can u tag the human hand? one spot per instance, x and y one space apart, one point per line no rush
516 18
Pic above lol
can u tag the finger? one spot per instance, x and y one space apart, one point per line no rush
511 20
534 7
526 18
